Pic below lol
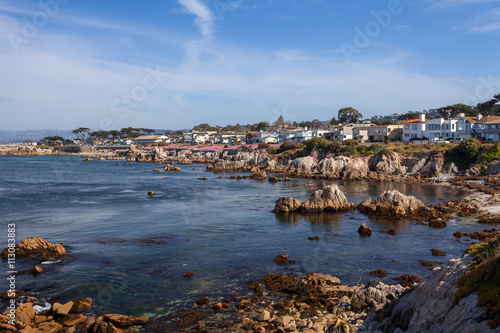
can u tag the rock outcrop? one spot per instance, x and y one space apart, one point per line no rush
493 168
329 199
391 203
431 306
36 247
388 163
376 294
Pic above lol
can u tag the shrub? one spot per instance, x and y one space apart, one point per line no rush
397 150
290 145
361 149
385 152
347 154
469 148
335 147
350 149
272 150
493 153
351 142
318 144
375 147
263 145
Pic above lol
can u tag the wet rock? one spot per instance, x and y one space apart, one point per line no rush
62 309
392 232
280 282
37 247
378 272
244 304
151 193
82 305
458 234
391 203
330 198
125 321
188 274
75 321
36 270
283 259
202 301
217 306
438 253
429 263
315 238
273 179
12 294
364 230
376 294
437 223
259 174
287 204
408 280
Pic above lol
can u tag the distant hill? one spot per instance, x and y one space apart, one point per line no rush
35 135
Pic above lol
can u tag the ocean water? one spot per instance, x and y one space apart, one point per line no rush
128 251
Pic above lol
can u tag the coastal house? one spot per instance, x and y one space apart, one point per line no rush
414 128
491 130
464 126
149 139
343 131
479 126
440 128
378 133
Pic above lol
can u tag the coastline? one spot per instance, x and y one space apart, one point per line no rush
298 170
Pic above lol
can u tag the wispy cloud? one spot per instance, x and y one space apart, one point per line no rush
204 17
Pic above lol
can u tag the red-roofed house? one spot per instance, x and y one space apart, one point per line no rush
414 128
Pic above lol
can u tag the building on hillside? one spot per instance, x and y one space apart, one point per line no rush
464 126
149 139
343 132
491 130
378 133
478 128
414 128
440 128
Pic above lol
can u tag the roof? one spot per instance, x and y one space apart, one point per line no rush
414 121
488 119
149 137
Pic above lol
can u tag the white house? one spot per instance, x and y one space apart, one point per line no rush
414 128
441 128
149 139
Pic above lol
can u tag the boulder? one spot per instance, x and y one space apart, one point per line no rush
301 164
375 294
386 162
259 174
391 203
283 259
364 230
37 247
331 198
82 305
332 166
273 179
493 168
151 193
356 170
287 204
119 320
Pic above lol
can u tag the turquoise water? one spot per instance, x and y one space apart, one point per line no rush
221 229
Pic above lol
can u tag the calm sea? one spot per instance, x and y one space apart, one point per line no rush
128 252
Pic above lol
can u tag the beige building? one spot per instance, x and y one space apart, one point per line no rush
378 133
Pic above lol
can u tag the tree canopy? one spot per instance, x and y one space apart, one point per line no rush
349 115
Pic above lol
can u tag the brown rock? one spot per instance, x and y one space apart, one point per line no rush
244 304
287 204
315 238
12 294
87 325
63 310
28 310
392 232
49 327
124 321
273 179
75 321
378 272
259 174
364 230
437 223
217 306
36 270
151 193
283 259
7 328
408 280
35 246
82 305
190 318
438 253
188 274
202 301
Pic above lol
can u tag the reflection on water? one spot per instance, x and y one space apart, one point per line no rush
221 229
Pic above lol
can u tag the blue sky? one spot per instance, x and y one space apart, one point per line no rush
177 63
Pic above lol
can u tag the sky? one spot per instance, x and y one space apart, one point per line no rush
174 64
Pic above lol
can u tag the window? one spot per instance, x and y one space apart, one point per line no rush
414 127
384 130
407 127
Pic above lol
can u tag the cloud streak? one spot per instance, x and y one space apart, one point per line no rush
204 17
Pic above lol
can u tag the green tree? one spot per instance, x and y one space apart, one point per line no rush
349 115
262 126
455 109
486 107
82 133
318 144
52 139
334 121
280 121
203 128
315 123
147 131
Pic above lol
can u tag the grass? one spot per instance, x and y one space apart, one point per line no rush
484 278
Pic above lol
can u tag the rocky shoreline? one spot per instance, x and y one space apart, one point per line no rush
317 302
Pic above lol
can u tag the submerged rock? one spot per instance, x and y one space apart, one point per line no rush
364 230
391 203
